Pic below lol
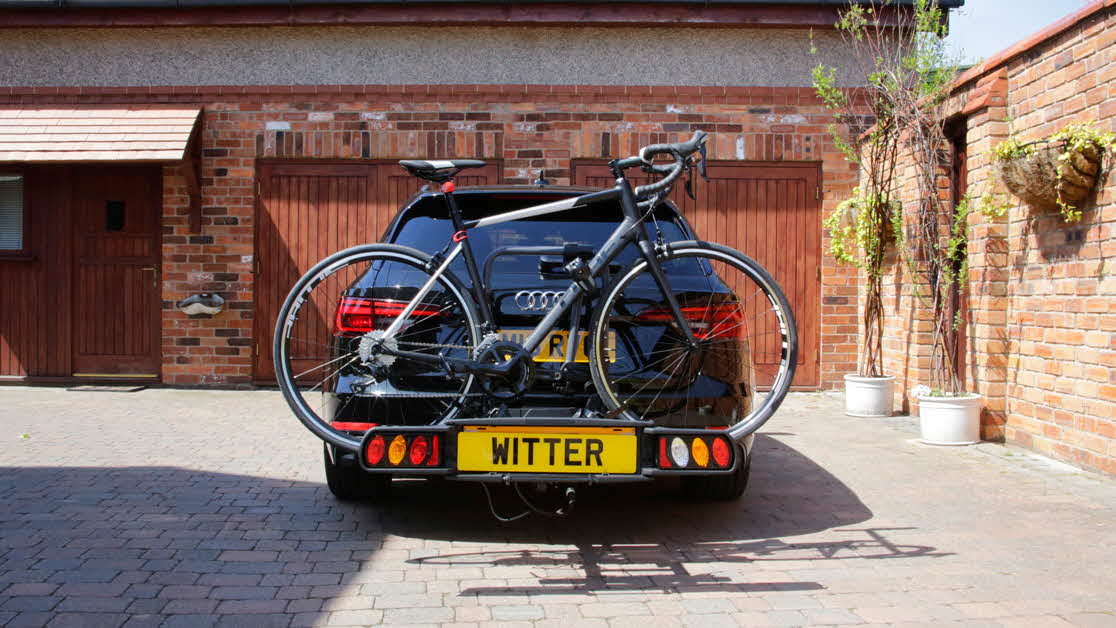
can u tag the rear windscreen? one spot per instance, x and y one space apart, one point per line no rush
427 227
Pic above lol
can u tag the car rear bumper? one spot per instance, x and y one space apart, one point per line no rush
644 450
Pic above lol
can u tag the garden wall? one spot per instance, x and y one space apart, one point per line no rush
1040 331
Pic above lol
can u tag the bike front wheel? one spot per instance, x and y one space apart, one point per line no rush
337 367
734 374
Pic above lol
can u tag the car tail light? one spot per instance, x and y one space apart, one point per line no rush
694 452
679 452
353 426
664 459
721 320
432 460
359 315
408 449
700 452
722 455
374 454
397 450
418 450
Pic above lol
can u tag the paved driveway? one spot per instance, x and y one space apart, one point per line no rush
195 508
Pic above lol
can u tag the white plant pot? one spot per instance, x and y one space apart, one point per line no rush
950 420
869 396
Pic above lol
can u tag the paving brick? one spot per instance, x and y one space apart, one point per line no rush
87 620
190 621
355 618
185 592
93 604
417 615
517 613
29 588
30 603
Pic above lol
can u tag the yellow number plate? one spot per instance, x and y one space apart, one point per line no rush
547 449
553 348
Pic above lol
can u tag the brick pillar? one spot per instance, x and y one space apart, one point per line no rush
988 347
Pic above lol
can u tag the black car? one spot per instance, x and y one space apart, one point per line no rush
522 287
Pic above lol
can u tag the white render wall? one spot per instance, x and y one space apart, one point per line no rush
372 55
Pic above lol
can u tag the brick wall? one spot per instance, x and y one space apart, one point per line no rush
1041 331
528 127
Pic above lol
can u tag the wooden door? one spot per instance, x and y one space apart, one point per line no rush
116 296
307 211
771 211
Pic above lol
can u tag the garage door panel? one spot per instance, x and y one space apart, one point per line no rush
771 213
308 211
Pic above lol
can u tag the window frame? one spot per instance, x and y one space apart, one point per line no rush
23 254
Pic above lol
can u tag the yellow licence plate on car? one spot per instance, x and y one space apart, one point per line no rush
547 449
553 348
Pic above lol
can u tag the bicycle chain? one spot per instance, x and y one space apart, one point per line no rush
403 395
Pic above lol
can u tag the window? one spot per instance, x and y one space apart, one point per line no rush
12 237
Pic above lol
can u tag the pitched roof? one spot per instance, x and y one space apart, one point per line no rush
132 133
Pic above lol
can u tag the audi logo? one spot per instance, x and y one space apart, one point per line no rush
536 300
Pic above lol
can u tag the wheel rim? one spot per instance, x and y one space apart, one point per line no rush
744 331
326 362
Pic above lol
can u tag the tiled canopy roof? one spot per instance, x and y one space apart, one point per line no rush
132 133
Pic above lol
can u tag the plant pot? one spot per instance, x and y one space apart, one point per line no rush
950 420
1034 178
869 396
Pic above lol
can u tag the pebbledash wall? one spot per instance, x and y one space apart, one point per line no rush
1041 325
528 127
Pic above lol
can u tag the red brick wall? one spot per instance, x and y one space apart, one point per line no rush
529 127
1042 294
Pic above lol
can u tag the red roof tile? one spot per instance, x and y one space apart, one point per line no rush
131 133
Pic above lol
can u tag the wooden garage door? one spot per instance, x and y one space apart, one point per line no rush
306 211
771 212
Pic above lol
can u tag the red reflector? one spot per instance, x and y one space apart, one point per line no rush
358 315
375 452
418 450
722 456
353 426
716 321
664 459
432 460
448 187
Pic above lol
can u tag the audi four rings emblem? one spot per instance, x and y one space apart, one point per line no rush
536 299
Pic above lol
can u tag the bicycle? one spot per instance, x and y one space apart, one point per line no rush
404 326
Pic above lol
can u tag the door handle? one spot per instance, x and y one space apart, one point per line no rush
154 275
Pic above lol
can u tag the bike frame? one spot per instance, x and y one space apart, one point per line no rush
626 233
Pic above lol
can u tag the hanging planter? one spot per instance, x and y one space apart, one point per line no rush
1058 172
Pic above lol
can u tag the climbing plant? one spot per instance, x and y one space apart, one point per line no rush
906 75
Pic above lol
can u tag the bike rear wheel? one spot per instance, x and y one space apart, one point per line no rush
329 340
746 343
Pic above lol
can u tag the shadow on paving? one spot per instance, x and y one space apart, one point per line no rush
196 547
650 537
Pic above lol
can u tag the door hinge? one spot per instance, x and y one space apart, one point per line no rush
817 193
819 273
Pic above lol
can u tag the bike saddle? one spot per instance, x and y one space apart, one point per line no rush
439 170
